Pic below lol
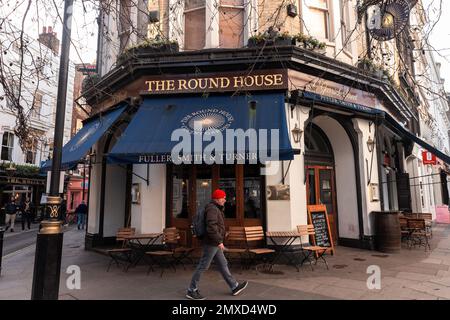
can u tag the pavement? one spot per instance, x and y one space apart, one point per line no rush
412 274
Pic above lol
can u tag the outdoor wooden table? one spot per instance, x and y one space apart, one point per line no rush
142 243
287 239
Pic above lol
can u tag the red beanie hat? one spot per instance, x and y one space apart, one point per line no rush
219 194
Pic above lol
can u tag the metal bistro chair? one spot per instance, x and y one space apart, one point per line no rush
173 253
316 252
122 255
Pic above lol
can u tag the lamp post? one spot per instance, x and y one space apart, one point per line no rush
9 172
47 261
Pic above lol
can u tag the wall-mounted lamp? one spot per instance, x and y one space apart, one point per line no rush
297 134
370 144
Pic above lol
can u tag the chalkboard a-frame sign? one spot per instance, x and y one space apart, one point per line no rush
318 217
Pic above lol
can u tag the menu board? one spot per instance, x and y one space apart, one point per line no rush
318 217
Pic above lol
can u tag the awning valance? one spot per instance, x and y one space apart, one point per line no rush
161 124
77 148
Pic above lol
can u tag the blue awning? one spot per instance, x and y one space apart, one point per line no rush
147 139
77 148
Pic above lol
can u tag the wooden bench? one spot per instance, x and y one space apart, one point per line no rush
316 252
419 233
122 255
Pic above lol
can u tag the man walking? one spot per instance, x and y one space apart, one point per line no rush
213 248
81 212
26 213
10 210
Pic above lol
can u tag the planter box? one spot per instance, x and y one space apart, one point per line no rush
156 49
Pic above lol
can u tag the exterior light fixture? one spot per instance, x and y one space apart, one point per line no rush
370 144
10 170
297 133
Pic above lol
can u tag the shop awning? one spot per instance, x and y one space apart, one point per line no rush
148 138
408 135
77 148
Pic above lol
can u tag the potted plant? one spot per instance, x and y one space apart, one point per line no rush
257 40
309 42
283 39
149 46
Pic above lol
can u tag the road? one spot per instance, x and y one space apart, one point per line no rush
17 240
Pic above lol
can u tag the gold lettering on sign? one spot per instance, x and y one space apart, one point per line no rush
258 81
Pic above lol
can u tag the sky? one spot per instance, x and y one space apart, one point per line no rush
84 27
440 36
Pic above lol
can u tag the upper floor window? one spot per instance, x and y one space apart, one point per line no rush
320 18
194 24
7 146
37 105
30 153
125 24
345 25
231 23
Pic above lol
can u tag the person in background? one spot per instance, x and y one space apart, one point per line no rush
26 213
81 212
10 210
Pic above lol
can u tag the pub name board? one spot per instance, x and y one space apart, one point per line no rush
257 80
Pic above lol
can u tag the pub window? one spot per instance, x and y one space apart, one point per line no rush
231 23
320 16
194 24
203 186
180 191
253 187
7 146
227 182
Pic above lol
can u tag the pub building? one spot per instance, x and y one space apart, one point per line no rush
343 141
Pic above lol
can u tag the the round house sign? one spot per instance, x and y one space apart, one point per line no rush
207 119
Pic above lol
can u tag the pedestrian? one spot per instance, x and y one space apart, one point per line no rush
81 212
26 213
213 248
10 210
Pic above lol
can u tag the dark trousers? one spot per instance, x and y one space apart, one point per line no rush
26 217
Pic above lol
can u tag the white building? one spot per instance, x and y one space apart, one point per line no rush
38 93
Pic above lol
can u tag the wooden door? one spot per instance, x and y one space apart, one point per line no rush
320 189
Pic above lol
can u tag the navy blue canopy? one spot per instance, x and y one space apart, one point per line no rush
77 148
147 139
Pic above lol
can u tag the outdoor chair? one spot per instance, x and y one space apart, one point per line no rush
419 234
123 255
172 253
428 217
404 228
315 252
255 235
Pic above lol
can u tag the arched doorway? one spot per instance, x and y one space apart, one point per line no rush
320 176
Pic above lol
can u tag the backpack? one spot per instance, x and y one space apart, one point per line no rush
198 226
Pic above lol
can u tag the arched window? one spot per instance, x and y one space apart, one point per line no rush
317 147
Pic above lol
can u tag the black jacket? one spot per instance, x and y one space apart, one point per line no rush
215 224
82 208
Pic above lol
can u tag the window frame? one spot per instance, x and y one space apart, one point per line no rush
10 147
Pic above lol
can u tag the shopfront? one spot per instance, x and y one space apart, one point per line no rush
322 144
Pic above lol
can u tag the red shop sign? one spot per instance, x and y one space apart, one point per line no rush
428 158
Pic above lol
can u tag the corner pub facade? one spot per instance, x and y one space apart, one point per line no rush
337 108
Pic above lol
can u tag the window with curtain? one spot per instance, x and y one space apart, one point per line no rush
320 16
7 146
231 23
194 24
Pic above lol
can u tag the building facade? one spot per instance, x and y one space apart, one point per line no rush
346 129
38 89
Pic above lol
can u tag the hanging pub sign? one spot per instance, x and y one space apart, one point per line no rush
218 82
428 158
386 19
